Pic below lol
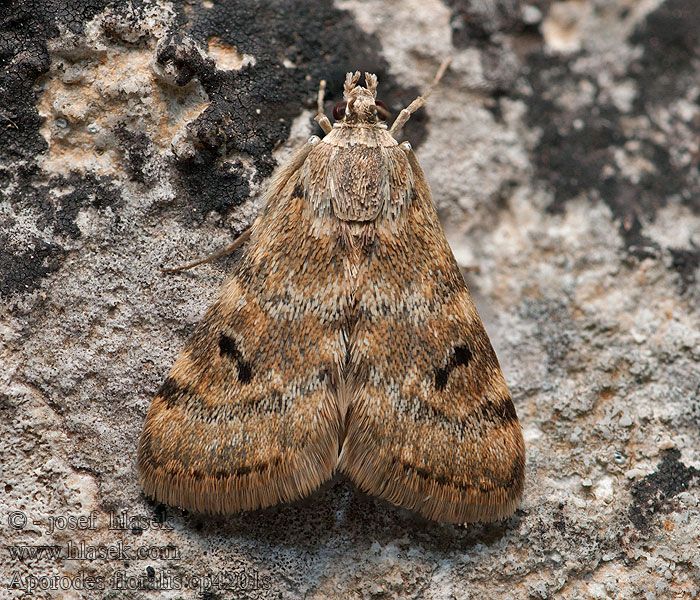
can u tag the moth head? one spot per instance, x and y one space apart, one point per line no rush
360 104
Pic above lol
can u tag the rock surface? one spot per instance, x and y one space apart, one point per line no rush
562 149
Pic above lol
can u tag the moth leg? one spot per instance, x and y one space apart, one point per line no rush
237 243
321 118
406 113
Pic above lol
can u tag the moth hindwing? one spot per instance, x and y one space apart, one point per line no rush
345 339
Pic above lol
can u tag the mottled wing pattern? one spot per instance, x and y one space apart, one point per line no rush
431 425
247 416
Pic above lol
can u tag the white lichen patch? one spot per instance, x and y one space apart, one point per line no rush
676 226
227 57
561 28
108 81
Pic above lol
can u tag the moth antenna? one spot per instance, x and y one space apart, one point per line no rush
321 117
371 83
237 243
351 80
406 113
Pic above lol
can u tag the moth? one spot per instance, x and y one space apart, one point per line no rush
346 339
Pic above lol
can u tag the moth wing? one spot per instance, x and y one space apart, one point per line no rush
247 416
431 425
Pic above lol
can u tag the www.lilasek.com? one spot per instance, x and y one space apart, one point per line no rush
84 552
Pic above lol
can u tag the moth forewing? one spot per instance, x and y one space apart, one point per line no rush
434 428
247 418
346 338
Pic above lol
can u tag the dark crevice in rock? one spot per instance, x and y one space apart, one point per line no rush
655 493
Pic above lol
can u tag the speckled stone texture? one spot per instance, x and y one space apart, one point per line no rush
562 149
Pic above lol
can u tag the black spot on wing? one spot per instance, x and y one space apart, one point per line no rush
461 356
298 190
228 347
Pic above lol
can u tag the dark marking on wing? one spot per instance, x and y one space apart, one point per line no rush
227 347
492 484
503 411
198 474
498 411
462 355
298 190
171 391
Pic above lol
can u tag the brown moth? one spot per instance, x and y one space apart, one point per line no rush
347 340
